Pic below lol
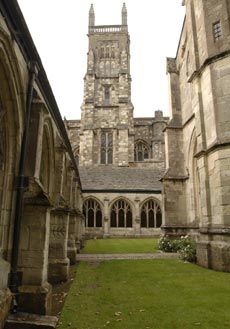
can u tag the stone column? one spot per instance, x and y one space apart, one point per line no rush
58 261
72 237
136 217
34 291
106 218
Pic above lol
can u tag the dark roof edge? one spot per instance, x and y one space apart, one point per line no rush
18 27
121 191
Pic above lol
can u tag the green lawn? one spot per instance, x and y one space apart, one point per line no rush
107 246
159 294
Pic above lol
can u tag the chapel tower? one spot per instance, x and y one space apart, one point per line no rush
107 131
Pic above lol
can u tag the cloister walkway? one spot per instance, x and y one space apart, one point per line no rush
133 256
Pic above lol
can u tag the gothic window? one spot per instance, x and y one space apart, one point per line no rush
106 147
151 214
217 31
141 151
93 214
121 214
107 95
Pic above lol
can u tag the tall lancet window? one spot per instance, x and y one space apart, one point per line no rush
106 147
107 95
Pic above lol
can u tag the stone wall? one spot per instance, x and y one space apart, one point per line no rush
199 78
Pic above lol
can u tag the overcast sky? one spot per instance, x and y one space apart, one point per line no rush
59 30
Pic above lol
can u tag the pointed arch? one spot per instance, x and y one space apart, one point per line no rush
92 211
151 214
12 105
121 214
141 151
47 165
194 179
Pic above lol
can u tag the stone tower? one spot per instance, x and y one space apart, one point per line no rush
107 111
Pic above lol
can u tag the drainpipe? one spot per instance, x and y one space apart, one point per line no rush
21 181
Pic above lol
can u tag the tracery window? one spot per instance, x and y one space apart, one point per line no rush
121 214
93 214
106 147
151 215
141 151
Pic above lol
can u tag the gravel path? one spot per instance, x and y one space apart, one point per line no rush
97 257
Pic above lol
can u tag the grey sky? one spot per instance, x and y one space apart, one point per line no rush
59 30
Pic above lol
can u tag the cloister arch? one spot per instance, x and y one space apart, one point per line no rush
121 214
151 214
92 210
47 165
11 118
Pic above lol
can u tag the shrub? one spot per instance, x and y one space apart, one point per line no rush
185 246
187 250
166 244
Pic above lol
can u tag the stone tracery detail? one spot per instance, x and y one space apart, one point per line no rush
93 214
151 215
141 151
121 214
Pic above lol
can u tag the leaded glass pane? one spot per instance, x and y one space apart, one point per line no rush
98 218
158 218
121 218
113 219
143 219
90 218
129 219
110 156
103 156
151 218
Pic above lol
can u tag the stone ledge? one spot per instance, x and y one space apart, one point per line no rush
30 321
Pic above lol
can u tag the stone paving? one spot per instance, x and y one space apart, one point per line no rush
102 257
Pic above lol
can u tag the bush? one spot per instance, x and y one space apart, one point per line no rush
166 244
185 246
187 249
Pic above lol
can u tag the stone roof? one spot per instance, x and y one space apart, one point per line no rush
112 178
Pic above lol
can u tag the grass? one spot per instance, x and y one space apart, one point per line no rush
111 246
159 294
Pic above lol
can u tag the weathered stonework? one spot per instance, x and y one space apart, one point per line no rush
196 183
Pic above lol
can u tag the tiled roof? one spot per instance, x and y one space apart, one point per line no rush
112 178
